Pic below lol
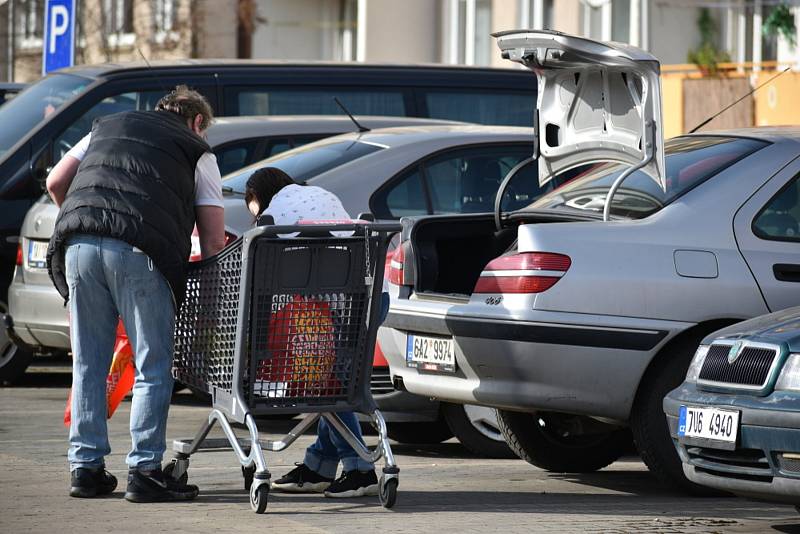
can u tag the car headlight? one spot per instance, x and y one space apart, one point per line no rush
789 379
697 364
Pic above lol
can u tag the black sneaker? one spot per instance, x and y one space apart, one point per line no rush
153 486
87 482
354 483
302 479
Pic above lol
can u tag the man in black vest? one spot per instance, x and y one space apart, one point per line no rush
130 194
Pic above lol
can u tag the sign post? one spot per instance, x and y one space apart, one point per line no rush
58 49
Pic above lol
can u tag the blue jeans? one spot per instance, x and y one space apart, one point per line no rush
108 279
323 455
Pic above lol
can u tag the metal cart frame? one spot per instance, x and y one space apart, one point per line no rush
235 398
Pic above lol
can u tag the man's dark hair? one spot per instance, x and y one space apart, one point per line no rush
265 184
187 103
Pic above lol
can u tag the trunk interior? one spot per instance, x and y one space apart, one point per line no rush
451 253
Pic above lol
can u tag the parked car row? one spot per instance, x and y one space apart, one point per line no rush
44 121
576 328
40 322
533 280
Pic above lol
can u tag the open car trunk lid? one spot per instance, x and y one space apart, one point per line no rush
596 101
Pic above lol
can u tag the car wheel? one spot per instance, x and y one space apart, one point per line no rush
477 429
561 442
14 360
649 424
427 432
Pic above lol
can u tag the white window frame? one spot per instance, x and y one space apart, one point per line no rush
454 38
115 34
164 10
30 16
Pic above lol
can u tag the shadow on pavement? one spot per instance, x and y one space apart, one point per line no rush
709 512
788 529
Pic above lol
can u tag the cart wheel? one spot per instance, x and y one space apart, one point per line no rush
258 498
388 491
170 468
247 473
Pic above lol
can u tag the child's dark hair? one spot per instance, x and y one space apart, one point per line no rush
264 184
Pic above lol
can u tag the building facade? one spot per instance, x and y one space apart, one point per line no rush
428 31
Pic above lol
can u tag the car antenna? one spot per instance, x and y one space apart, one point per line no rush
723 110
360 127
153 71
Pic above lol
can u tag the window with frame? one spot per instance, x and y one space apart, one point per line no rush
313 101
118 16
463 180
30 22
470 27
164 15
482 107
780 219
142 100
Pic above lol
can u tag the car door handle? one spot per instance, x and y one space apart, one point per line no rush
786 272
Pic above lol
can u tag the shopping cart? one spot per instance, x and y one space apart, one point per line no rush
283 321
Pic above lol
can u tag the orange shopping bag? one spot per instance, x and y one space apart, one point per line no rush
302 344
120 377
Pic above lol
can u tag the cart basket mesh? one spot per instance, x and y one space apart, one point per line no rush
306 332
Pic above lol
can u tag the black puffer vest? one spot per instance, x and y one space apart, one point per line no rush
136 184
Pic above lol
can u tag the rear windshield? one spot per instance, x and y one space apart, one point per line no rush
689 162
306 161
20 115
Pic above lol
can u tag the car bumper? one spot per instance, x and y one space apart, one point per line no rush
769 428
537 361
400 406
40 318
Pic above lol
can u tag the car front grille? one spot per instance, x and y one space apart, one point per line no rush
381 382
746 464
750 369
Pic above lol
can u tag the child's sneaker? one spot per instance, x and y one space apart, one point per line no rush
302 479
354 483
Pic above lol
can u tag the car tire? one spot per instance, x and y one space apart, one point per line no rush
548 440
477 429
649 424
14 360
424 432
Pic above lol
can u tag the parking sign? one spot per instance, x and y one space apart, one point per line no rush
59 35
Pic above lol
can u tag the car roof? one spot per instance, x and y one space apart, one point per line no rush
770 134
456 133
108 69
225 129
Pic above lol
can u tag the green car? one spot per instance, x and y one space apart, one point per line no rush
736 418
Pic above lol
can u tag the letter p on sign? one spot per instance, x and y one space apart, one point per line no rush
59 35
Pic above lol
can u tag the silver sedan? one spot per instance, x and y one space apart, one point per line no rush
576 328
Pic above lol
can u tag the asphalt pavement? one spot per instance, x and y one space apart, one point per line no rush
442 488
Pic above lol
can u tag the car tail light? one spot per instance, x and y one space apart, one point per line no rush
196 253
19 253
400 265
526 272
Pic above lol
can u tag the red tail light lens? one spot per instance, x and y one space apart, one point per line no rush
19 254
526 272
196 253
396 265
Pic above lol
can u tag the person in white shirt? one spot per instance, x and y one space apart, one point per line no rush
270 191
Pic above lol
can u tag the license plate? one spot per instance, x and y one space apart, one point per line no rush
431 353
708 423
37 254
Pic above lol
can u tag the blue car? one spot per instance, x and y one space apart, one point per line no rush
736 418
